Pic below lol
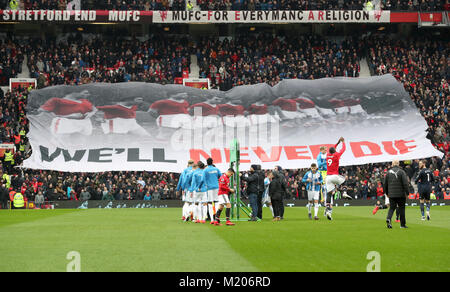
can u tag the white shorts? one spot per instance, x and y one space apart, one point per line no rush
122 126
223 199
189 198
311 112
200 197
71 126
386 200
342 110
313 195
326 111
212 195
333 181
202 122
356 109
262 119
290 115
175 121
183 197
235 121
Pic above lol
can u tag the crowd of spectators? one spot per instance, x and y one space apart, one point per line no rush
13 122
11 59
396 5
177 5
251 59
109 186
77 60
421 64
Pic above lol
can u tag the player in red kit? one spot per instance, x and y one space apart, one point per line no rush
233 115
224 200
259 114
333 179
172 112
307 107
209 116
73 113
288 108
121 119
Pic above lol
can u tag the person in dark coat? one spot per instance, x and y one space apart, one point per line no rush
277 189
3 196
255 188
396 188
262 176
279 172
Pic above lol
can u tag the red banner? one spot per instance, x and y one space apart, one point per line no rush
135 16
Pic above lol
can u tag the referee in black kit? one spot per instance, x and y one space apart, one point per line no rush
396 189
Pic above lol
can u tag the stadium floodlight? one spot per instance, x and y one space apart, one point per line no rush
235 183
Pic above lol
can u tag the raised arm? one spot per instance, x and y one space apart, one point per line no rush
343 146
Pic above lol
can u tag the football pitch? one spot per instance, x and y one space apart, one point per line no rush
157 240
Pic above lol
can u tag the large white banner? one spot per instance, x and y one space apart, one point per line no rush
142 126
273 16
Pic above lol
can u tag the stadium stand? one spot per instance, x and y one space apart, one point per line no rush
176 5
77 59
264 58
421 64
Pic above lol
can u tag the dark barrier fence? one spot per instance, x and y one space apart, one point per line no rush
178 204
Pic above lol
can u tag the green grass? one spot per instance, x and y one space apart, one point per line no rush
156 240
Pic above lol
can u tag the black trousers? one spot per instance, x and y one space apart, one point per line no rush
277 205
400 204
259 202
4 204
282 208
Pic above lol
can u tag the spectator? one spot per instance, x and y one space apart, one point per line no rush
147 197
107 196
39 200
156 194
85 195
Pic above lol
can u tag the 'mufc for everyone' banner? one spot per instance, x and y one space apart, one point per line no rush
143 126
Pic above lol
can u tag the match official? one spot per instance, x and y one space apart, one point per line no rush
396 188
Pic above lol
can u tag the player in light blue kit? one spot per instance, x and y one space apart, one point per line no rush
314 180
211 176
189 187
199 193
322 167
266 197
182 189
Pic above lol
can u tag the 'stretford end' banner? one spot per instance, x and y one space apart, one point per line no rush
143 126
